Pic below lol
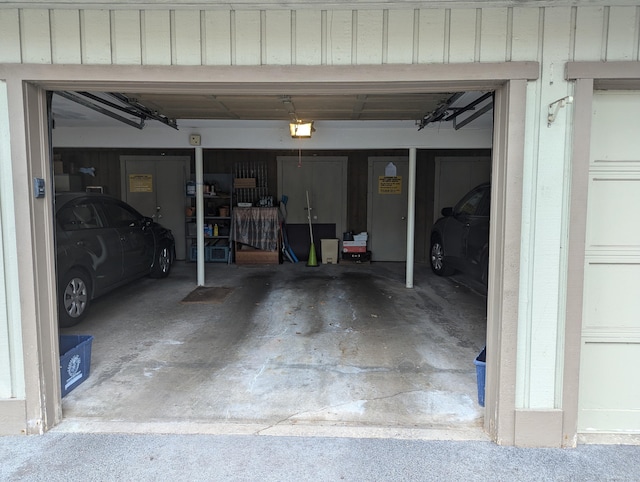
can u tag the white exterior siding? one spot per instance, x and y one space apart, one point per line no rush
313 37
551 36
12 380
156 37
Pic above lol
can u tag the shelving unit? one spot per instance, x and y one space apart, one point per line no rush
250 185
218 202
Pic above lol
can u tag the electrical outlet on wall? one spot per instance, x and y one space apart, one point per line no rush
194 139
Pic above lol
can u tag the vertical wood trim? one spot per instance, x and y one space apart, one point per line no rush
572 32
478 37
232 35
354 37
203 38
504 269
509 39
605 34
36 257
294 38
172 30
324 39
583 100
636 36
416 36
263 37
447 35
385 36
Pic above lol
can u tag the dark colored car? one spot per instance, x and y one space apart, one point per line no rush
103 243
460 239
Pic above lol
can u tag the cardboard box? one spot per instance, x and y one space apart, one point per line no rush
329 248
244 182
75 360
248 255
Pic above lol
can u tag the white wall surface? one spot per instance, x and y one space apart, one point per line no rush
275 135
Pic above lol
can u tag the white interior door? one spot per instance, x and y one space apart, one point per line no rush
325 178
609 394
155 186
387 208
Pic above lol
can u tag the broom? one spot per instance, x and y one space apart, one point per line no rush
312 251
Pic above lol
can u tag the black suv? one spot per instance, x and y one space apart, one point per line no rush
103 243
460 239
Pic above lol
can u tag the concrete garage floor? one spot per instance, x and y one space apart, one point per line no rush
339 350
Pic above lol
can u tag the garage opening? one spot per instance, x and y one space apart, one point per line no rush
343 343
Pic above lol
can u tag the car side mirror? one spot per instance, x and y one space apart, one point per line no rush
447 212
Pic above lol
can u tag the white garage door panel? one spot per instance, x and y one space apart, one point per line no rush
609 393
619 142
611 297
610 399
611 203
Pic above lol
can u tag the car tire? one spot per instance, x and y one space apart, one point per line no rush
436 258
74 298
162 263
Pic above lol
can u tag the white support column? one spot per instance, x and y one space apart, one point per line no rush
200 214
411 216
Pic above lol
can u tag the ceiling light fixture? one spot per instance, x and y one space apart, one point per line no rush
301 129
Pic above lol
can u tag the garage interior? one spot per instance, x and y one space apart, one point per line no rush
285 347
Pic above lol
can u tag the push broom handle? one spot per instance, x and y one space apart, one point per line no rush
309 218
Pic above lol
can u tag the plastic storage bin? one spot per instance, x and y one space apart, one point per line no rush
75 360
481 366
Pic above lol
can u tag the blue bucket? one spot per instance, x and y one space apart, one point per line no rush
481 367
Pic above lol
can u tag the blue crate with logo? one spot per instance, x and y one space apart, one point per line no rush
481 367
75 360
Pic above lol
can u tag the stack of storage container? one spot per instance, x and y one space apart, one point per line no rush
354 247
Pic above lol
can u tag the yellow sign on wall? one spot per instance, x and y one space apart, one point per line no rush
390 185
140 182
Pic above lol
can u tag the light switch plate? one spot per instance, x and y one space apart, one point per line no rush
194 139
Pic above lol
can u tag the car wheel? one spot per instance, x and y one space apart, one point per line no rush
436 256
75 297
162 264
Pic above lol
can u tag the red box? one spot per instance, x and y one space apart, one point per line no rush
354 249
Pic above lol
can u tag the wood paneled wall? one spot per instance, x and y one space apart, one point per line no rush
107 168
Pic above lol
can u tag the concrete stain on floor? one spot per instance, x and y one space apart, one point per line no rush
289 344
